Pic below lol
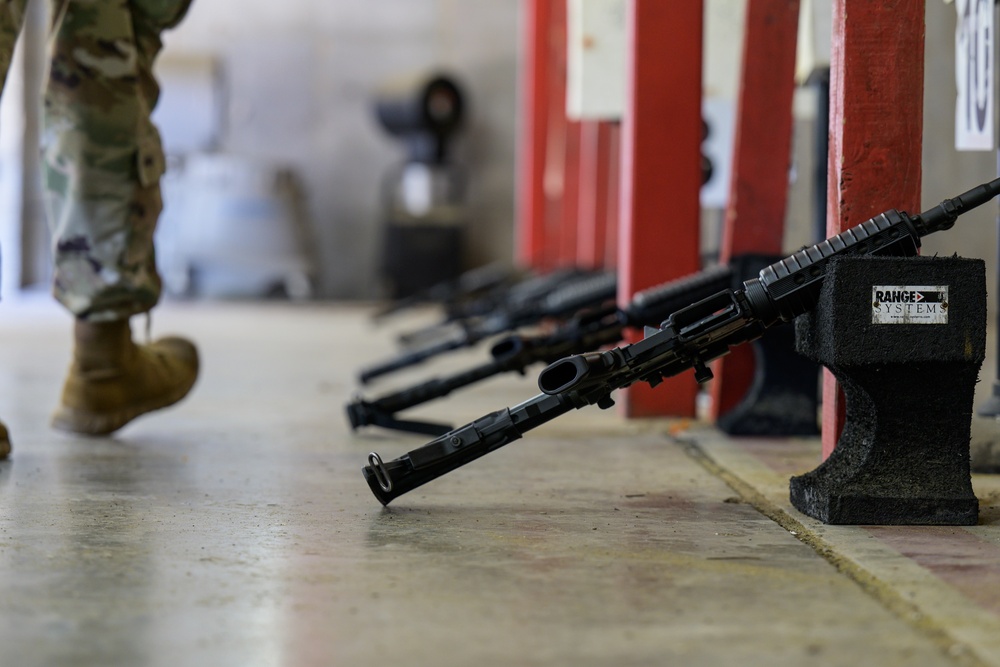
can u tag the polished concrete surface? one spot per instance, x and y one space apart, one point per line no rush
236 529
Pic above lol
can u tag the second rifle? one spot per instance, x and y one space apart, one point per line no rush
586 332
587 292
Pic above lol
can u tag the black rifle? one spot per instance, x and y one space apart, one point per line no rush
585 332
453 293
689 339
506 298
589 292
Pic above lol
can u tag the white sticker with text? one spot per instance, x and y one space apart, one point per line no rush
910 304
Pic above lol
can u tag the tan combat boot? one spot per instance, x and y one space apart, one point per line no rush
112 380
4 442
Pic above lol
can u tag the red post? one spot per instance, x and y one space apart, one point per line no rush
540 161
595 158
876 128
758 191
569 218
534 115
613 185
660 179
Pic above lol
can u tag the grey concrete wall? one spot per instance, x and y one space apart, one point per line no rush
948 172
298 76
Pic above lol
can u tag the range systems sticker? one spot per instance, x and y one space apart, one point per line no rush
910 304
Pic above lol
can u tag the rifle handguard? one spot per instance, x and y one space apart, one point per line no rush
652 306
587 293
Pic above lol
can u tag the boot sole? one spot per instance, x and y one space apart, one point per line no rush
87 422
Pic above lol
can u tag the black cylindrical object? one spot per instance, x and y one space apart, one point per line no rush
423 112
424 196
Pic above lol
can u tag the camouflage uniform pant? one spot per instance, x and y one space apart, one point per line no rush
102 154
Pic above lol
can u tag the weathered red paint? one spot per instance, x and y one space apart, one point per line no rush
594 187
613 204
540 161
534 119
876 127
660 179
569 217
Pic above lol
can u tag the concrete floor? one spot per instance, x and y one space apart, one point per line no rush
236 529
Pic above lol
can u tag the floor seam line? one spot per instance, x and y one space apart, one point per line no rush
876 588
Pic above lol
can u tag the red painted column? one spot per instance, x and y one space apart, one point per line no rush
661 174
876 128
613 185
595 156
542 136
758 190
530 240
569 216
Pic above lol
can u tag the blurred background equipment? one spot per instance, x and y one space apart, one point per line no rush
233 225
424 196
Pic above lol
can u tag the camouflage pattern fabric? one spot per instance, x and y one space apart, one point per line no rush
102 154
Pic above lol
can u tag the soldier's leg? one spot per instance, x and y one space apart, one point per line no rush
11 20
103 162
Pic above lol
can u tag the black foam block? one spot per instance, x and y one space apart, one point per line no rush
903 457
